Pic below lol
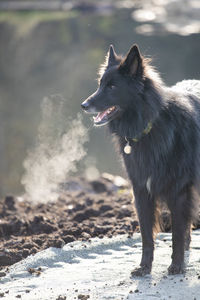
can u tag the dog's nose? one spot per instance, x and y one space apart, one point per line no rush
85 105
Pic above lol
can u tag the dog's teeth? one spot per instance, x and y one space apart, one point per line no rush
111 109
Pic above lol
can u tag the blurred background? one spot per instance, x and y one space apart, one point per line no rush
55 48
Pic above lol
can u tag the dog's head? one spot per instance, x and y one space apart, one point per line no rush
120 85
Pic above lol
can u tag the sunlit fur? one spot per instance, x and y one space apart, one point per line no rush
104 66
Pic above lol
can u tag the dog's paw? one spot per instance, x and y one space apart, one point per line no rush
141 271
176 269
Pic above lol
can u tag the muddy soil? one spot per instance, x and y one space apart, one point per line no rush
84 210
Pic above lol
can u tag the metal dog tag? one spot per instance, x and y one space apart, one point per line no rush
127 148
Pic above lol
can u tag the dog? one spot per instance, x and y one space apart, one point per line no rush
158 133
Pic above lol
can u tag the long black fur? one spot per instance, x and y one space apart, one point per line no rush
167 158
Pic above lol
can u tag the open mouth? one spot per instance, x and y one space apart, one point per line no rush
107 115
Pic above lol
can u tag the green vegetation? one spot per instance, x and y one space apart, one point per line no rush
25 21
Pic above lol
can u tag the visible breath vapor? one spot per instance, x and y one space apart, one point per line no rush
56 152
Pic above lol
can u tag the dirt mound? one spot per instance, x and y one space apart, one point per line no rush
83 210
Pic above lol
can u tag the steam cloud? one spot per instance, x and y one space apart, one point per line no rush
56 152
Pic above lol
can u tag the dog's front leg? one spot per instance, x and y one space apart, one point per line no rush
145 208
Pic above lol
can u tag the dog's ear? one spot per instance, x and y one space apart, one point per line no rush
112 56
132 64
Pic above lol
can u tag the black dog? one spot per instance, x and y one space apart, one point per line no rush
158 131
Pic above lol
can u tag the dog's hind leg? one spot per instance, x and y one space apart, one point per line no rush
145 209
188 237
180 208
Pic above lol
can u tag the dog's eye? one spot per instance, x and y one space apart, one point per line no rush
111 86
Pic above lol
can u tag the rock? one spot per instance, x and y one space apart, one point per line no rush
124 213
68 239
61 297
38 225
25 253
28 245
38 241
89 201
109 215
83 297
5 229
101 229
105 208
9 258
38 219
33 250
57 243
86 235
134 224
79 207
98 186
88 213
72 231
10 202
2 274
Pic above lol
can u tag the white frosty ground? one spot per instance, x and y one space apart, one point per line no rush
101 269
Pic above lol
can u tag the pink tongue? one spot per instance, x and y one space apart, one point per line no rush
100 116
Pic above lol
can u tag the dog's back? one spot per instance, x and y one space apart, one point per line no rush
189 86
189 98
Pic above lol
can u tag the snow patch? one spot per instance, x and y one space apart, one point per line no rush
101 269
